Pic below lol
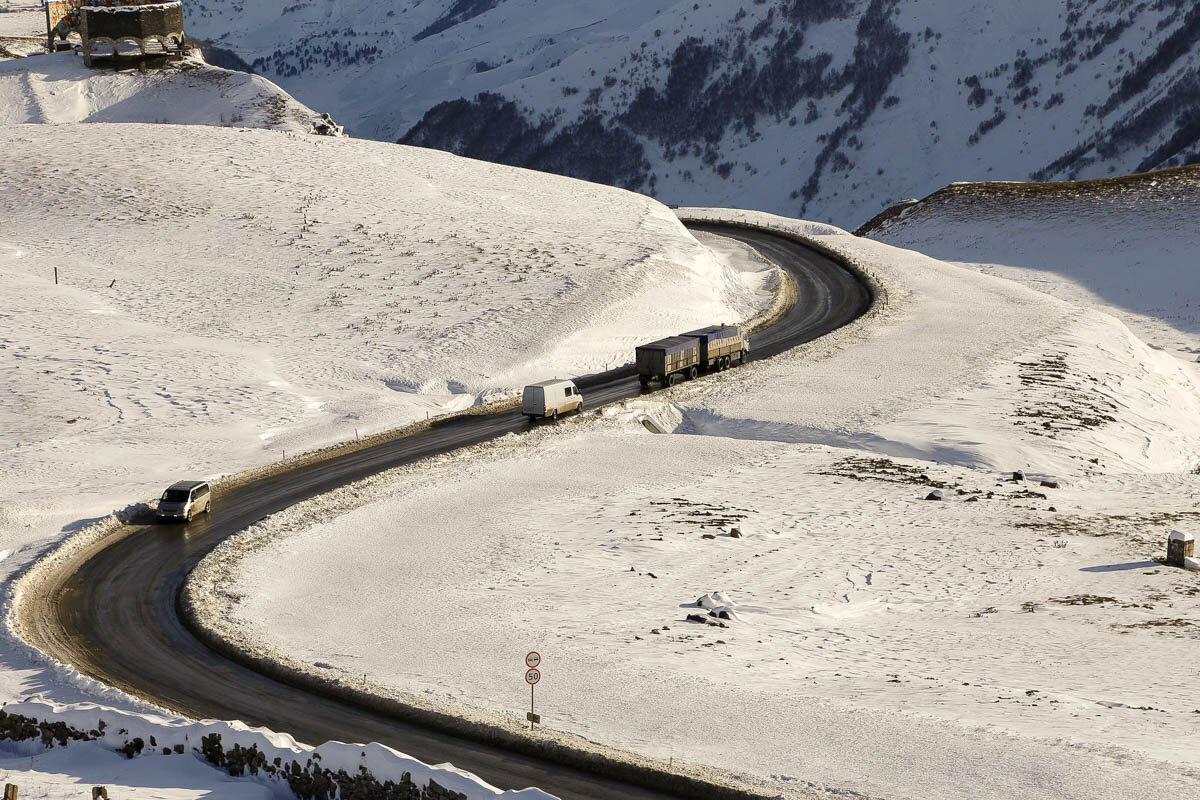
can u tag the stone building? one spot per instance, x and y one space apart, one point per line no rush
115 29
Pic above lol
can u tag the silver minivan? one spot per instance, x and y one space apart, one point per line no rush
184 500
551 398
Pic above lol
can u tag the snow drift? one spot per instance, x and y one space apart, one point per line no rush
58 88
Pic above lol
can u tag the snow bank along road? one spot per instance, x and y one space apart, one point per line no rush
111 610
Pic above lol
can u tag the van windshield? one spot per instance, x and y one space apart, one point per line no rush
175 496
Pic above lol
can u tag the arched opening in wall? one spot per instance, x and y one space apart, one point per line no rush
101 47
154 45
175 42
129 47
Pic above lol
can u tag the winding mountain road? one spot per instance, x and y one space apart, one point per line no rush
112 610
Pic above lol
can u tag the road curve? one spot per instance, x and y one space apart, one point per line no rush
112 611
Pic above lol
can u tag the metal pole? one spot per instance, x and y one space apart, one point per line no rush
49 30
531 706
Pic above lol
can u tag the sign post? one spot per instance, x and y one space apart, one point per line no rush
532 675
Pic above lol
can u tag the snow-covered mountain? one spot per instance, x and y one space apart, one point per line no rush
827 109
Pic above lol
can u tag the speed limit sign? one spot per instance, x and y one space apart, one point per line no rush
533 660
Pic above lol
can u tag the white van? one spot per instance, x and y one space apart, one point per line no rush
184 500
551 398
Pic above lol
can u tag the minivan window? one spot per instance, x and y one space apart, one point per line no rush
175 496
570 391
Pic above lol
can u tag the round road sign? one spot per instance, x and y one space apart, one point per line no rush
533 659
532 676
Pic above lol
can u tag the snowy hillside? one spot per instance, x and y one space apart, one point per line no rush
828 109
229 296
58 88
1126 244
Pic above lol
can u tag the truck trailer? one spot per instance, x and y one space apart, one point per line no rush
666 358
720 346
710 349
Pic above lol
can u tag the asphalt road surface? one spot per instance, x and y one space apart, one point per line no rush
113 613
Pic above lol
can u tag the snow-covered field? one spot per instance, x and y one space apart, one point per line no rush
1011 640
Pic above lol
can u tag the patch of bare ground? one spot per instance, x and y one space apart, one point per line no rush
1083 600
1176 628
1057 398
681 511
1109 524
863 468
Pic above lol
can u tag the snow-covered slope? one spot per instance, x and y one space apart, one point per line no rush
229 296
58 88
831 109
1127 244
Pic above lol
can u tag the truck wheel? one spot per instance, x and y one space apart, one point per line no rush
208 507
692 373
188 518
645 382
579 410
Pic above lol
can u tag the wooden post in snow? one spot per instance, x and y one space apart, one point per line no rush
10 791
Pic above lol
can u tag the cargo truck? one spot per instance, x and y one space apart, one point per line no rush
682 357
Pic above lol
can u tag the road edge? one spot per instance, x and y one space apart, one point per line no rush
574 752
